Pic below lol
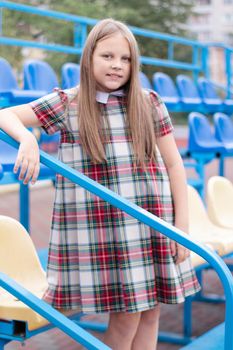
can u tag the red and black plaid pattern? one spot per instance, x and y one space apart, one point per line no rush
100 258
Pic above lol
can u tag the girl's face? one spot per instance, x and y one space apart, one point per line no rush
111 63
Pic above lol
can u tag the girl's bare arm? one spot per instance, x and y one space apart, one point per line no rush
178 183
14 121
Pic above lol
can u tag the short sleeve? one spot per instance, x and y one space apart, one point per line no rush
51 110
162 120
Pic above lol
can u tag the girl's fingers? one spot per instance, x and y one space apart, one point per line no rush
173 248
17 163
29 174
35 174
23 168
182 254
28 170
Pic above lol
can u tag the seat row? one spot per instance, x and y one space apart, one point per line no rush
39 78
207 142
186 95
205 138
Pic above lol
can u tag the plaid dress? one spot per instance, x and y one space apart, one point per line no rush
100 258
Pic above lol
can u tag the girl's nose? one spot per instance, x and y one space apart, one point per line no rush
116 65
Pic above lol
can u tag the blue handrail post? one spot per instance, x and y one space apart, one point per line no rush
187 323
80 34
195 61
170 50
205 57
24 205
228 55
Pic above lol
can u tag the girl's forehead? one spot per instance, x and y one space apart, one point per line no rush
113 38
115 42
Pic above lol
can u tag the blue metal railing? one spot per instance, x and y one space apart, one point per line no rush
200 52
142 215
81 25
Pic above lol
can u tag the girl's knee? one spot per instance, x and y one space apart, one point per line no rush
124 323
151 316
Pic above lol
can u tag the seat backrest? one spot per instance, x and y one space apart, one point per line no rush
206 89
199 131
186 86
70 73
7 77
18 257
223 126
220 201
144 80
39 75
198 219
164 85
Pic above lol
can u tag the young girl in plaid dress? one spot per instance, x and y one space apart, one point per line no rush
101 259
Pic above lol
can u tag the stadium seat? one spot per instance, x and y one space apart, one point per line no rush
22 264
166 88
213 103
220 201
10 93
223 125
189 94
70 73
201 136
39 75
202 228
144 80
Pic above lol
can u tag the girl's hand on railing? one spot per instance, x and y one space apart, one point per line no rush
28 159
179 252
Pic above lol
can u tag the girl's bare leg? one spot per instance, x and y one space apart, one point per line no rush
121 330
147 333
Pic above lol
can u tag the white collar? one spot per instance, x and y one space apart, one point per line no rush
102 97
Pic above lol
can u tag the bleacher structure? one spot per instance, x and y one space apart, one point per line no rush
27 313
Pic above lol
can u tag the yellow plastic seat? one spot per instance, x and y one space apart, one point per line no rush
197 260
19 260
220 201
201 228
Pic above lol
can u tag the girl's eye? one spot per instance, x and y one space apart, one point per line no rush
126 59
107 56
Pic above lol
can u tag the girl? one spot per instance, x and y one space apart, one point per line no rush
101 259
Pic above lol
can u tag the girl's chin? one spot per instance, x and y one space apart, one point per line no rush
109 87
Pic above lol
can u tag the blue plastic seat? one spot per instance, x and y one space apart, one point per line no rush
201 136
10 93
189 94
224 130
39 75
1 171
211 100
166 88
144 80
70 73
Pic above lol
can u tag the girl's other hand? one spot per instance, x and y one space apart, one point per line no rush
28 159
179 252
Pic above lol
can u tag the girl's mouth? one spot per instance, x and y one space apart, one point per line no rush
114 76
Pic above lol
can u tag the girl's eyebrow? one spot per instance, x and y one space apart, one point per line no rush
112 53
105 51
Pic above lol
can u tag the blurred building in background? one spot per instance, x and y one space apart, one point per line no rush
212 21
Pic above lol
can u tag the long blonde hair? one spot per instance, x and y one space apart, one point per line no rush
139 110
